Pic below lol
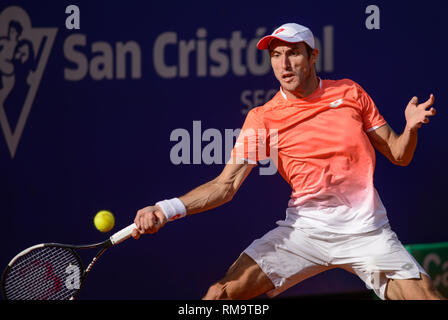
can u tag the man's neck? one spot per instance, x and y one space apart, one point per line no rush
303 91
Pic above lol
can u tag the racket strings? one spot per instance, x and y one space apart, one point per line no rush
46 273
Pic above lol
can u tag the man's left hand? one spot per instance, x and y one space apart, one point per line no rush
417 114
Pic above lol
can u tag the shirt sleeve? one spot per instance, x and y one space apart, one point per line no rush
251 142
371 117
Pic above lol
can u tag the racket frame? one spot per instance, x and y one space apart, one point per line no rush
116 238
38 246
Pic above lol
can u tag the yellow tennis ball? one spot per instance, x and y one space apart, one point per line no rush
104 221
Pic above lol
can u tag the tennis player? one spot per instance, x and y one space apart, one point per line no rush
325 133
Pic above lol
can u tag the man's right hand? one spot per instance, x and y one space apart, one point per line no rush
148 220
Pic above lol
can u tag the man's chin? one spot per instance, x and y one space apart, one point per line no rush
290 86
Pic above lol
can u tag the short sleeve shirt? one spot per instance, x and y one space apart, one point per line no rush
322 150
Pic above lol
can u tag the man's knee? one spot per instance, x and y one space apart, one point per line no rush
244 280
217 291
232 289
426 289
415 289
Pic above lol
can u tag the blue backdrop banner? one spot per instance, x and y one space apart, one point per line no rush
140 101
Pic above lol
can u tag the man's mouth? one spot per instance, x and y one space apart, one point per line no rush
287 77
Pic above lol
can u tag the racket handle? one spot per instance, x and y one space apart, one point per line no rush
123 234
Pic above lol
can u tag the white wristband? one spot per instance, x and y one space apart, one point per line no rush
173 208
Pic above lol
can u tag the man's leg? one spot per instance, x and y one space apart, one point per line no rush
384 264
412 289
288 255
244 280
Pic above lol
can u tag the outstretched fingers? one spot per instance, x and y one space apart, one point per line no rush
431 112
414 100
425 105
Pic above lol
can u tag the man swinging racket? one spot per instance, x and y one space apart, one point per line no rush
325 130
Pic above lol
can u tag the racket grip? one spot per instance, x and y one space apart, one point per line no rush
123 234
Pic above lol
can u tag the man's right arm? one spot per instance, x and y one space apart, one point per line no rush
205 197
217 191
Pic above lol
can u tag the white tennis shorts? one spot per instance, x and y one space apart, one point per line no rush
290 255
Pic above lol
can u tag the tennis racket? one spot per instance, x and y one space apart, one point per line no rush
52 271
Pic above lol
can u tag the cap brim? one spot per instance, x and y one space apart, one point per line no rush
263 44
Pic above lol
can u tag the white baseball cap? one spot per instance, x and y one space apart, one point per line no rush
289 32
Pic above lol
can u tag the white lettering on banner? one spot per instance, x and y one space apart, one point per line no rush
26 50
215 58
221 61
252 98
104 59
219 57
434 258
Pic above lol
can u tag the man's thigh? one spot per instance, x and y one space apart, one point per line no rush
380 259
280 259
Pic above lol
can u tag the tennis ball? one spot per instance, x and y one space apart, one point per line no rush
104 221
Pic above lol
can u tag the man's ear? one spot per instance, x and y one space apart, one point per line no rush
314 55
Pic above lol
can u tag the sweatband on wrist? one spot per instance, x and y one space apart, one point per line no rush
173 208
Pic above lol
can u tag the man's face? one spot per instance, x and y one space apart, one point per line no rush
291 64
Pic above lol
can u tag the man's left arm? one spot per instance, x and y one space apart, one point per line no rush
399 149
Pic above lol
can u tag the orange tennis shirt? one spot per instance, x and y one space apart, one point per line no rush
320 147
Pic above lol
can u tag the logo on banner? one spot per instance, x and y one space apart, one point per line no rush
24 52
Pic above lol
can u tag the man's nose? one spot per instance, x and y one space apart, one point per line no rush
286 65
